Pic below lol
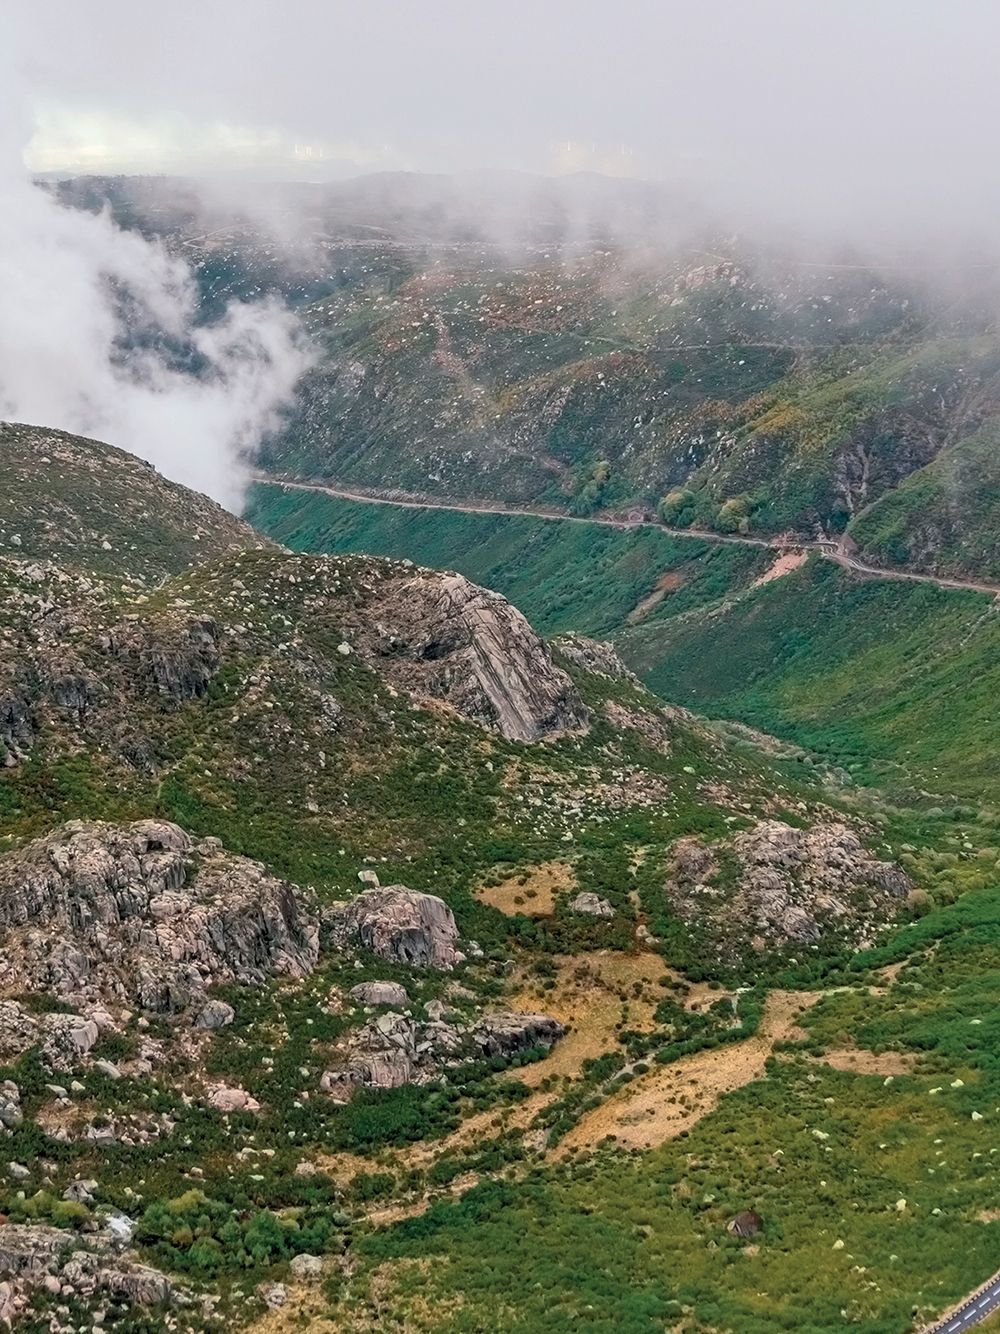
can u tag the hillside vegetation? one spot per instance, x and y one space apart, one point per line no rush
732 386
573 1019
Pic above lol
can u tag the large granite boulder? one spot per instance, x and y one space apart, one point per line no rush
395 1049
140 913
400 924
591 905
379 993
439 635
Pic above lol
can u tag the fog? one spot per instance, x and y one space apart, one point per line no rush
817 126
864 114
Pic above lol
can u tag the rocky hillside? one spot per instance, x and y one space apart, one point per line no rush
327 886
530 341
94 508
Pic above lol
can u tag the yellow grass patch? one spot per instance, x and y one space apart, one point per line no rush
672 1098
532 891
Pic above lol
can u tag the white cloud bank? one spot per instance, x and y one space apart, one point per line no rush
91 318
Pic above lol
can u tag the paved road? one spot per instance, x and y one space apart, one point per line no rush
834 551
972 1312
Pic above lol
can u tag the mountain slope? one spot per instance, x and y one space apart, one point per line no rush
92 507
328 891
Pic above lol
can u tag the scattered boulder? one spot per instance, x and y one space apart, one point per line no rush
400 924
226 1099
591 905
273 1295
747 1223
379 993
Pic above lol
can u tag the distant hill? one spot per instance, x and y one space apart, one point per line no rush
599 345
89 506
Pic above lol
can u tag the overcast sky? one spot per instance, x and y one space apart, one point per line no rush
816 100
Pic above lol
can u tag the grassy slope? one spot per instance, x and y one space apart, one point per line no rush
883 677
946 517
892 681
867 1186
563 576
90 506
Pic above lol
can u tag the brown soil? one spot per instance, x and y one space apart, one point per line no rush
667 583
791 560
658 1106
532 892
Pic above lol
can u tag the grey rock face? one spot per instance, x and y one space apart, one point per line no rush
393 1049
379 993
401 924
596 656
792 885
17 727
592 905
138 912
445 637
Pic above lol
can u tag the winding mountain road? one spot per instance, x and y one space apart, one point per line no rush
836 551
972 1312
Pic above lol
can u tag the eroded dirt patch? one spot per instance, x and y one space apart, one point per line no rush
791 560
667 583
673 1098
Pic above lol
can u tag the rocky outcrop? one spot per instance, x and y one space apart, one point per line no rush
400 924
35 1256
141 913
394 1049
17 726
596 656
773 885
443 637
176 658
591 905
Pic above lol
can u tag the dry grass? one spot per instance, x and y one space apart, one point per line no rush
673 1098
532 892
860 1062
